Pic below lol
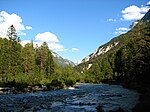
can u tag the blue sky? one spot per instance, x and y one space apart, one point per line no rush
72 28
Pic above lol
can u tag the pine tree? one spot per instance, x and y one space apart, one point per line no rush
50 65
28 56
44 61
11 34
4 55
14 54
43 58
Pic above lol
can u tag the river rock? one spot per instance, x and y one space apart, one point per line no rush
84 98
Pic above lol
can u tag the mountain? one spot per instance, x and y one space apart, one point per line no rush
112 44
125 58
146 17
61 61
101 51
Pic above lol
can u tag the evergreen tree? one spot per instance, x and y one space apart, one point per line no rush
43 58
28 56
11 34
44 61
50 65
4 51
14 54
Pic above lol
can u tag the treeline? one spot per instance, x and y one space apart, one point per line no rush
128 62
31 65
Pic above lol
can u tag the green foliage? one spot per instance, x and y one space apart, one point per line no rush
69 82
55 84
22 66
28 56
128 62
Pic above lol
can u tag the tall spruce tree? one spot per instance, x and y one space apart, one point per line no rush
50 65
28 56
14 54
11 34
44 61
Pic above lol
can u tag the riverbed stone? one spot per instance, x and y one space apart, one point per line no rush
85 98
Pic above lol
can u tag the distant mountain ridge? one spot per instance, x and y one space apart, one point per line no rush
61 61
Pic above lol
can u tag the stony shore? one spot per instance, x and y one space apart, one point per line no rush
84 98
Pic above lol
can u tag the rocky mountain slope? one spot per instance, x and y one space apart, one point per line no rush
125 58
111 46
61 61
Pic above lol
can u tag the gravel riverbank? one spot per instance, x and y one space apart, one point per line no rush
84 98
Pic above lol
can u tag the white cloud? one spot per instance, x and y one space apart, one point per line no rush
121 31
56 47
52 46
134 12
110 19
28 27
74 49
52 41
24 42
148 3
47 37
6 20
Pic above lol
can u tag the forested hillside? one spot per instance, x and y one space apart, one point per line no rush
29 65
124 59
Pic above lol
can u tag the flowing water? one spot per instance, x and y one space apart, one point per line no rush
84 98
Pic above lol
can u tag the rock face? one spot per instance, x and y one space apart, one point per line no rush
84 98
101 50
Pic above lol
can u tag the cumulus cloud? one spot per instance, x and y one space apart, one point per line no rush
47 37
74 49
51 39
6 20
148 3
56 47
134 12
122 30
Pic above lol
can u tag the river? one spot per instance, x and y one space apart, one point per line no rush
84 98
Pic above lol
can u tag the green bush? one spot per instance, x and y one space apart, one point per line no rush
69 82
55 84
